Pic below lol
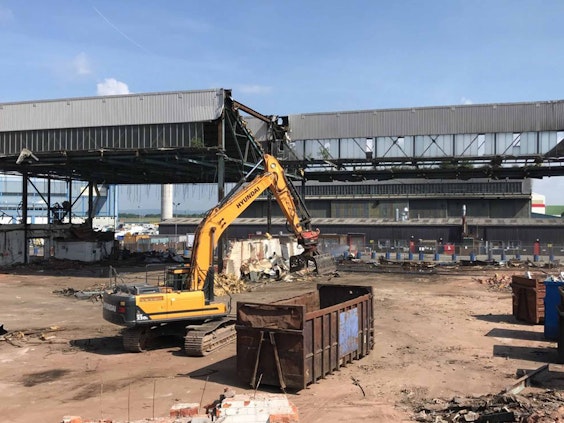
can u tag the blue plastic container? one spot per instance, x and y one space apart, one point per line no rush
551 315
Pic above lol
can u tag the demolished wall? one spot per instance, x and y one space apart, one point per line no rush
255 250
11 247
85 251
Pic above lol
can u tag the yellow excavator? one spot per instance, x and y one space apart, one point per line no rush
185 306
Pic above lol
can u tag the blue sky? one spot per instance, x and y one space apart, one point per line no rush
286 57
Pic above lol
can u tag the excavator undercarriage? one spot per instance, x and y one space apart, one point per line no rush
199 339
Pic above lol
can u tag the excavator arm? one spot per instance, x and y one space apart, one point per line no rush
235 203
187 308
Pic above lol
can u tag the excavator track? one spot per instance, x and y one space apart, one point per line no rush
201 340
136 339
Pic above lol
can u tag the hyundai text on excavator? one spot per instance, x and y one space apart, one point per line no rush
185 306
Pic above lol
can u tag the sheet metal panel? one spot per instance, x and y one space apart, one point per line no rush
310 344
348 331
258 128
460 119
133 109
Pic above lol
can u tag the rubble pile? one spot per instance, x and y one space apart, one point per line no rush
18 338
228 284
554 264
544 407
497 282
93 294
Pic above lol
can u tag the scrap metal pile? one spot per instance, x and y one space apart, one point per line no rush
544 407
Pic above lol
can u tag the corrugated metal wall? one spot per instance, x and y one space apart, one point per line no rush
135 109
494 231
462 119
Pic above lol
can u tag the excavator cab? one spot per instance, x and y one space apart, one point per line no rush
177 277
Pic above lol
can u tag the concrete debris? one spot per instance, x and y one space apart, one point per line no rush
228 284
274 267
545 407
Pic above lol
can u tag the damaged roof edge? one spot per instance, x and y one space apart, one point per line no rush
129 109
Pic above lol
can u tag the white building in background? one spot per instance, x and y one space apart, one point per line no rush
104 201
538 203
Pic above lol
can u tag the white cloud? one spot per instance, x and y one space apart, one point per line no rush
465 100
6 15
81 64
254 89
112 86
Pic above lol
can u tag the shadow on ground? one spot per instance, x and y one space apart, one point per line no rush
496 318
224 372
516 334
537 354
111 345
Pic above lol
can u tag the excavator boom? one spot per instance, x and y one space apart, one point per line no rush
219 218
186 306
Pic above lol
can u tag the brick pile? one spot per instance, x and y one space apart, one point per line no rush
259 408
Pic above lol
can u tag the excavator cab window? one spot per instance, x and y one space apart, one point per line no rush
176 278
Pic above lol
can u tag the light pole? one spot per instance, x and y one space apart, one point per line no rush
175 206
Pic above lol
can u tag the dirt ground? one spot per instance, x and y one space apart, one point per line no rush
436 337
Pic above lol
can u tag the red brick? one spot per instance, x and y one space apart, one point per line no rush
285 418
185 409
72 419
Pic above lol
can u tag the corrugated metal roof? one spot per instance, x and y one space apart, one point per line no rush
460 119
131 109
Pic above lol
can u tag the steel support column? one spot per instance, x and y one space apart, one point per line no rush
69 211
221 242
47 248
24 216
90 204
